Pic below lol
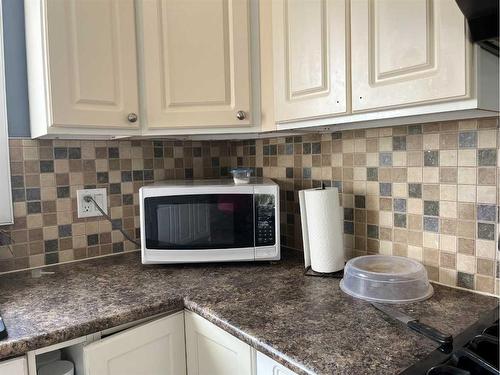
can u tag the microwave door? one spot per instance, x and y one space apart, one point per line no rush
201 221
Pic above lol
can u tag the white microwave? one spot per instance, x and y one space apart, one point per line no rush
209 221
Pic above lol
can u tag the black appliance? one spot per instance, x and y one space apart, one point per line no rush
482 17
475 351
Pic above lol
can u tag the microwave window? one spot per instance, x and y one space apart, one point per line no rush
207 221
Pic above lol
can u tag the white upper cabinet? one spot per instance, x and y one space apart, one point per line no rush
309 58
82 66
407 52
155 348
196 63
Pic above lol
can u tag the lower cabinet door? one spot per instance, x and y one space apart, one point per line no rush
16 366
212 351
268 366
155 348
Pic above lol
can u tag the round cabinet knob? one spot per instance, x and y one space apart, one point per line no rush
132 117
241 115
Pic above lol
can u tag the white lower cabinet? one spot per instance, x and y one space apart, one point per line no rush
268 366
212 351
155 348
16 366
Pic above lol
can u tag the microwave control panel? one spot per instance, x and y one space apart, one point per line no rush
265 218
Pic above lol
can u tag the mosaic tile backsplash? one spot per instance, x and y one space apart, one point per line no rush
428 191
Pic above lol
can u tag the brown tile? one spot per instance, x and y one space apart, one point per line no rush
431 256
466 246
448 175
485 284
430 192
385 204
36 247
431 128
49 220
101 152
360 159
32 180
448 126
17 168
385 174
62 179
348 159
486 176
80 253
466 211
448 141
448 226
488 123
372 217
32 166
372 246
486 267
400 235
414 142
65 243
385 234
415 238
415 222
372 145
400 249
399 174
48 206
35 234
360 215
447 260
75 165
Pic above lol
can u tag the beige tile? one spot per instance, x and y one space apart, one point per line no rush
372 188
486 194
431 256
414 158
415 174
466 229
385 218
414 222
485 249
415 252
448 243
430 175
466 263
448 276
414 142
431 240
359 145
448 192
448 158
385 144
467 124
385 248
466 158
466 211
466 193
415 206
347 145
399 190
448 209
486 176
372 159
487 138
467 175
360 174
399 159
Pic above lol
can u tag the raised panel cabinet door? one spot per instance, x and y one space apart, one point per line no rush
268 366
196 62
16 366
92 63
212 351
407 52
309 40
155 348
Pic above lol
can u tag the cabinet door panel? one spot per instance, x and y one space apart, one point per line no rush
92 62
407 52
210 350
16 366
268 366
196 62
156 348
310 60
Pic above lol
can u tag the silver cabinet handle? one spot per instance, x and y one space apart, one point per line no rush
241 115
132 117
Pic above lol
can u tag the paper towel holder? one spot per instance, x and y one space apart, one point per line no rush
308 271
335 275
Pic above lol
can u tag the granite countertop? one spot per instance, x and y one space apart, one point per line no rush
305 323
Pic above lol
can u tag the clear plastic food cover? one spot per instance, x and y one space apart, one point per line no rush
386 279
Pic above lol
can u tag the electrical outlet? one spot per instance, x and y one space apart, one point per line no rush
88 209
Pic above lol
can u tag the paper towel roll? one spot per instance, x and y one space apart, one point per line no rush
324 229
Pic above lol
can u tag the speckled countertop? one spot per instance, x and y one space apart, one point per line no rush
305 323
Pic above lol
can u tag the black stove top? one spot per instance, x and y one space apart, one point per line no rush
475 351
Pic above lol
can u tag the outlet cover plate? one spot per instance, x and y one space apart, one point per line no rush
88 209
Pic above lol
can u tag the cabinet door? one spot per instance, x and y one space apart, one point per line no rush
92 62
155 348
212 351
407 52
16 366
268 366
196 62
310 58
